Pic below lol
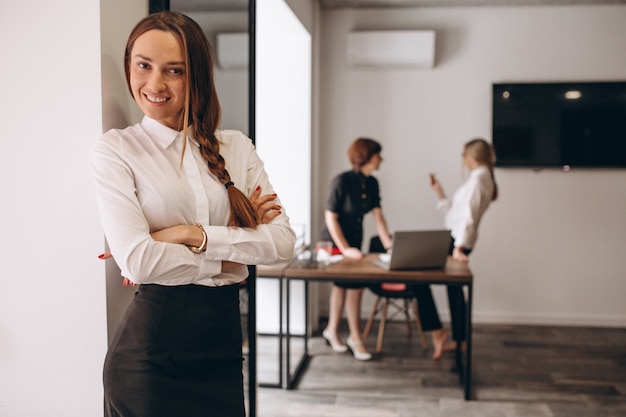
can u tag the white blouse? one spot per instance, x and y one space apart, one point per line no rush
467 207
142 188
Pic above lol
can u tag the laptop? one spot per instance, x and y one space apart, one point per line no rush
419 249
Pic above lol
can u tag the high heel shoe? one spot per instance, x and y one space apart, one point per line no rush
358 355
337 347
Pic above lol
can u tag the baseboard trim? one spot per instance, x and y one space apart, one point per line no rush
552 319
537 319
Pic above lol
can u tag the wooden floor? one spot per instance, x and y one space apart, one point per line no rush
518 371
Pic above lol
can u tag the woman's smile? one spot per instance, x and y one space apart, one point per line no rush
158 77
155 99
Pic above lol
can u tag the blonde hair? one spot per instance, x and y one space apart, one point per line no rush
483 153
202 110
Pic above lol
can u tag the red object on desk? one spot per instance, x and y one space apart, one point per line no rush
335 251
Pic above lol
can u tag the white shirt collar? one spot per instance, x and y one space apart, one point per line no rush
479 170
161 134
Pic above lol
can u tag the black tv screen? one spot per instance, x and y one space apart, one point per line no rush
577 125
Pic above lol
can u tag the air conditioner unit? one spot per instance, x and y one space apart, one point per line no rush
232 50
392 48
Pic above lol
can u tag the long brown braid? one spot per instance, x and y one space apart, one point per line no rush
202 108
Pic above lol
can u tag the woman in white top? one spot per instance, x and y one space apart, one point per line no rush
462 217
172 192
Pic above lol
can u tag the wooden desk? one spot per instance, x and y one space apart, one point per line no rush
364 270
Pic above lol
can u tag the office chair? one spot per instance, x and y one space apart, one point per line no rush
396 295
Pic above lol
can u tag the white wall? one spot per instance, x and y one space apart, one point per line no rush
550 247
52 290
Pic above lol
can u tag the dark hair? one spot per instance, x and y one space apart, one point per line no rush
483 153
202 108
362 150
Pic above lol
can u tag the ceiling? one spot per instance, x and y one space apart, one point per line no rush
457 3
209 5
241 5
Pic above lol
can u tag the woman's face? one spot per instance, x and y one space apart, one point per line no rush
469 162
372 165
376 161
157 77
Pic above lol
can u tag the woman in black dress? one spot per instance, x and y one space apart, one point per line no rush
352 195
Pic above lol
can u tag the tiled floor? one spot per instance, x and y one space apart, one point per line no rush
518 371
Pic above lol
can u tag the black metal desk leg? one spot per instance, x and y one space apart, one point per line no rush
252 341
458 362
459 366
287 333
468 349
281 338
306 319
292 380
281 335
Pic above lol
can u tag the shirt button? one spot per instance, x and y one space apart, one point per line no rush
363 196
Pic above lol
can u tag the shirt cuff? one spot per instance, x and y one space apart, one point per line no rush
210 268
443 204
218 247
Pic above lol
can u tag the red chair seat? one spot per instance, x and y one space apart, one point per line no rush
393 286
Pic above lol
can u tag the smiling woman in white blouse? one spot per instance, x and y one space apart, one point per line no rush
183 214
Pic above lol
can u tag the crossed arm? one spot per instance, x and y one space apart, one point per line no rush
191 235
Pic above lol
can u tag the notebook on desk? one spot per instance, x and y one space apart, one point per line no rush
419 249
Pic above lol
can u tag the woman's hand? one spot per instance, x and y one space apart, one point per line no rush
459 255
352 253
436 185
126 281
266 209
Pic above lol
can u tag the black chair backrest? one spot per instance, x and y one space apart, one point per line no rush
376 245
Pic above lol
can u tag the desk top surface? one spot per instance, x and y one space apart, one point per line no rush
365 270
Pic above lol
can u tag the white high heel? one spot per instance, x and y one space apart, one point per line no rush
358 355
336 347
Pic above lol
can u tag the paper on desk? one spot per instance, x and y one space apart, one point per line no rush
304 255
335 258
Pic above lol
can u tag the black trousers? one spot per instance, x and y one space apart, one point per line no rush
456 300
427 308
177 352
429 317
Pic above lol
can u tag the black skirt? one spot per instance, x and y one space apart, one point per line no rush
177 352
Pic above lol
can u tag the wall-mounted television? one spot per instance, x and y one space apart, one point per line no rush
565 125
